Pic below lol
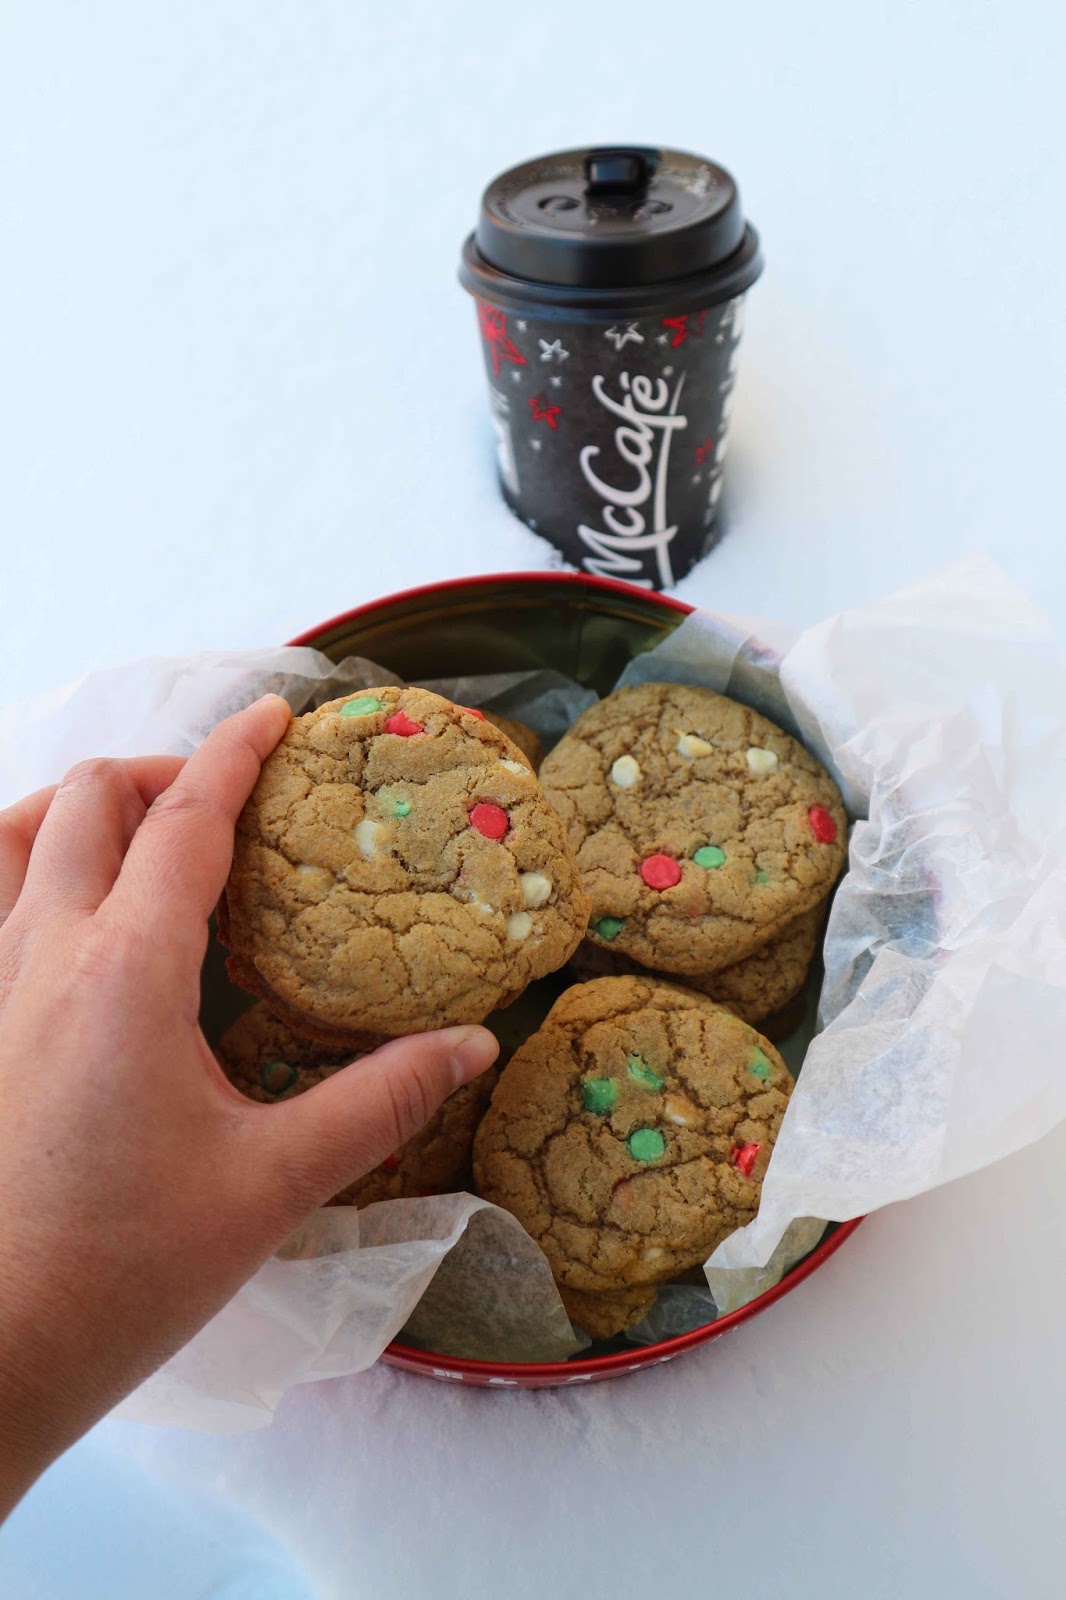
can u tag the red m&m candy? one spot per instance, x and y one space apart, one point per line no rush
660 872
491 821
744 1158
401 723
822 825
471 711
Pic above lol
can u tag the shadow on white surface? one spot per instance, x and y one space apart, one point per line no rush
96 1528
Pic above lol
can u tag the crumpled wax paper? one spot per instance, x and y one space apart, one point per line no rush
940 712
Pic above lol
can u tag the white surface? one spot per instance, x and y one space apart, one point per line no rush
241 391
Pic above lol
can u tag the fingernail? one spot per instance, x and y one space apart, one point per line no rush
279 698
474 1050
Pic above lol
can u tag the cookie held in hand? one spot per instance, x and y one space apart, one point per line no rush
397 868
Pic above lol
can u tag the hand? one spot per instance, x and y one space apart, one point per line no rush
138 1189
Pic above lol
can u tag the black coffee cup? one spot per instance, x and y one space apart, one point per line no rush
609 285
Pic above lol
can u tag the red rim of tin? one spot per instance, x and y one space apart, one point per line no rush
550 1374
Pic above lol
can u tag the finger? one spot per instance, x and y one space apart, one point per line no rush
179 860
347 1125
65 845
18 829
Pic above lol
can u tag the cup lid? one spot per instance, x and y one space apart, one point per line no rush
611 217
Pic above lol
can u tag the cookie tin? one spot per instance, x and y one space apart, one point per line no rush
588 628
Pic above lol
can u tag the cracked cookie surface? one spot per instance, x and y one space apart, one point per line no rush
397 868
631 1133
755 988
701 829
267 1062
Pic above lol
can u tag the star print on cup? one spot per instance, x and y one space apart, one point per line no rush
684 327
493 325
623 336
703 451
544 411
555 351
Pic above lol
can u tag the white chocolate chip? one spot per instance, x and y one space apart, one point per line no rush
625 772
321 874
761 762
520 925
690 745
366 835
517 767
654 1252
535 888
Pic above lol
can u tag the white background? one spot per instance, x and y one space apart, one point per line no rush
240 391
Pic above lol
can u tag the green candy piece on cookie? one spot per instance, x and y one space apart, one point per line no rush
608 927
709 856
363 707
760 1067
645 1144
641 1073
599 1095
277 1076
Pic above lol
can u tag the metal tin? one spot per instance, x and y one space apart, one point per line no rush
587 628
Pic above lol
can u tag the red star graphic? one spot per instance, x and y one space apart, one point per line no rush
681 327
544 411
703 451
493 325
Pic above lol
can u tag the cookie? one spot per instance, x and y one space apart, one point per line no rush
601 1316
756 988
525 738
397 868
701 829
631 1133
266 1061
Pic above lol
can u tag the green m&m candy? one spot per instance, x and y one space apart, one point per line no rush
608 927
709 856
759 1067
641 1073
599 1095
364 706
645 1144
277 1076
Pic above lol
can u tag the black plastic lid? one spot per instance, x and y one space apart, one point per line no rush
610 221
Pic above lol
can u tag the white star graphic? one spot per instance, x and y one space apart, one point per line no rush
521 326
622 336
555 382
516 376
668 372
663 338
534 444
555 349
697 477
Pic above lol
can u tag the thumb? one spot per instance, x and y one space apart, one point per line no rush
348 1124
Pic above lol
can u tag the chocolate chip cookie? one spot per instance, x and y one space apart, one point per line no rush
630 1135
397 868
266 1061
701 829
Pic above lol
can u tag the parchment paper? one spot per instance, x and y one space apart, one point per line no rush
940 712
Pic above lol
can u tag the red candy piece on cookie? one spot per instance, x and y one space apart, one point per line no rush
471 711
490 821
401 723
822 825
660 872
744 1158
390 1163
